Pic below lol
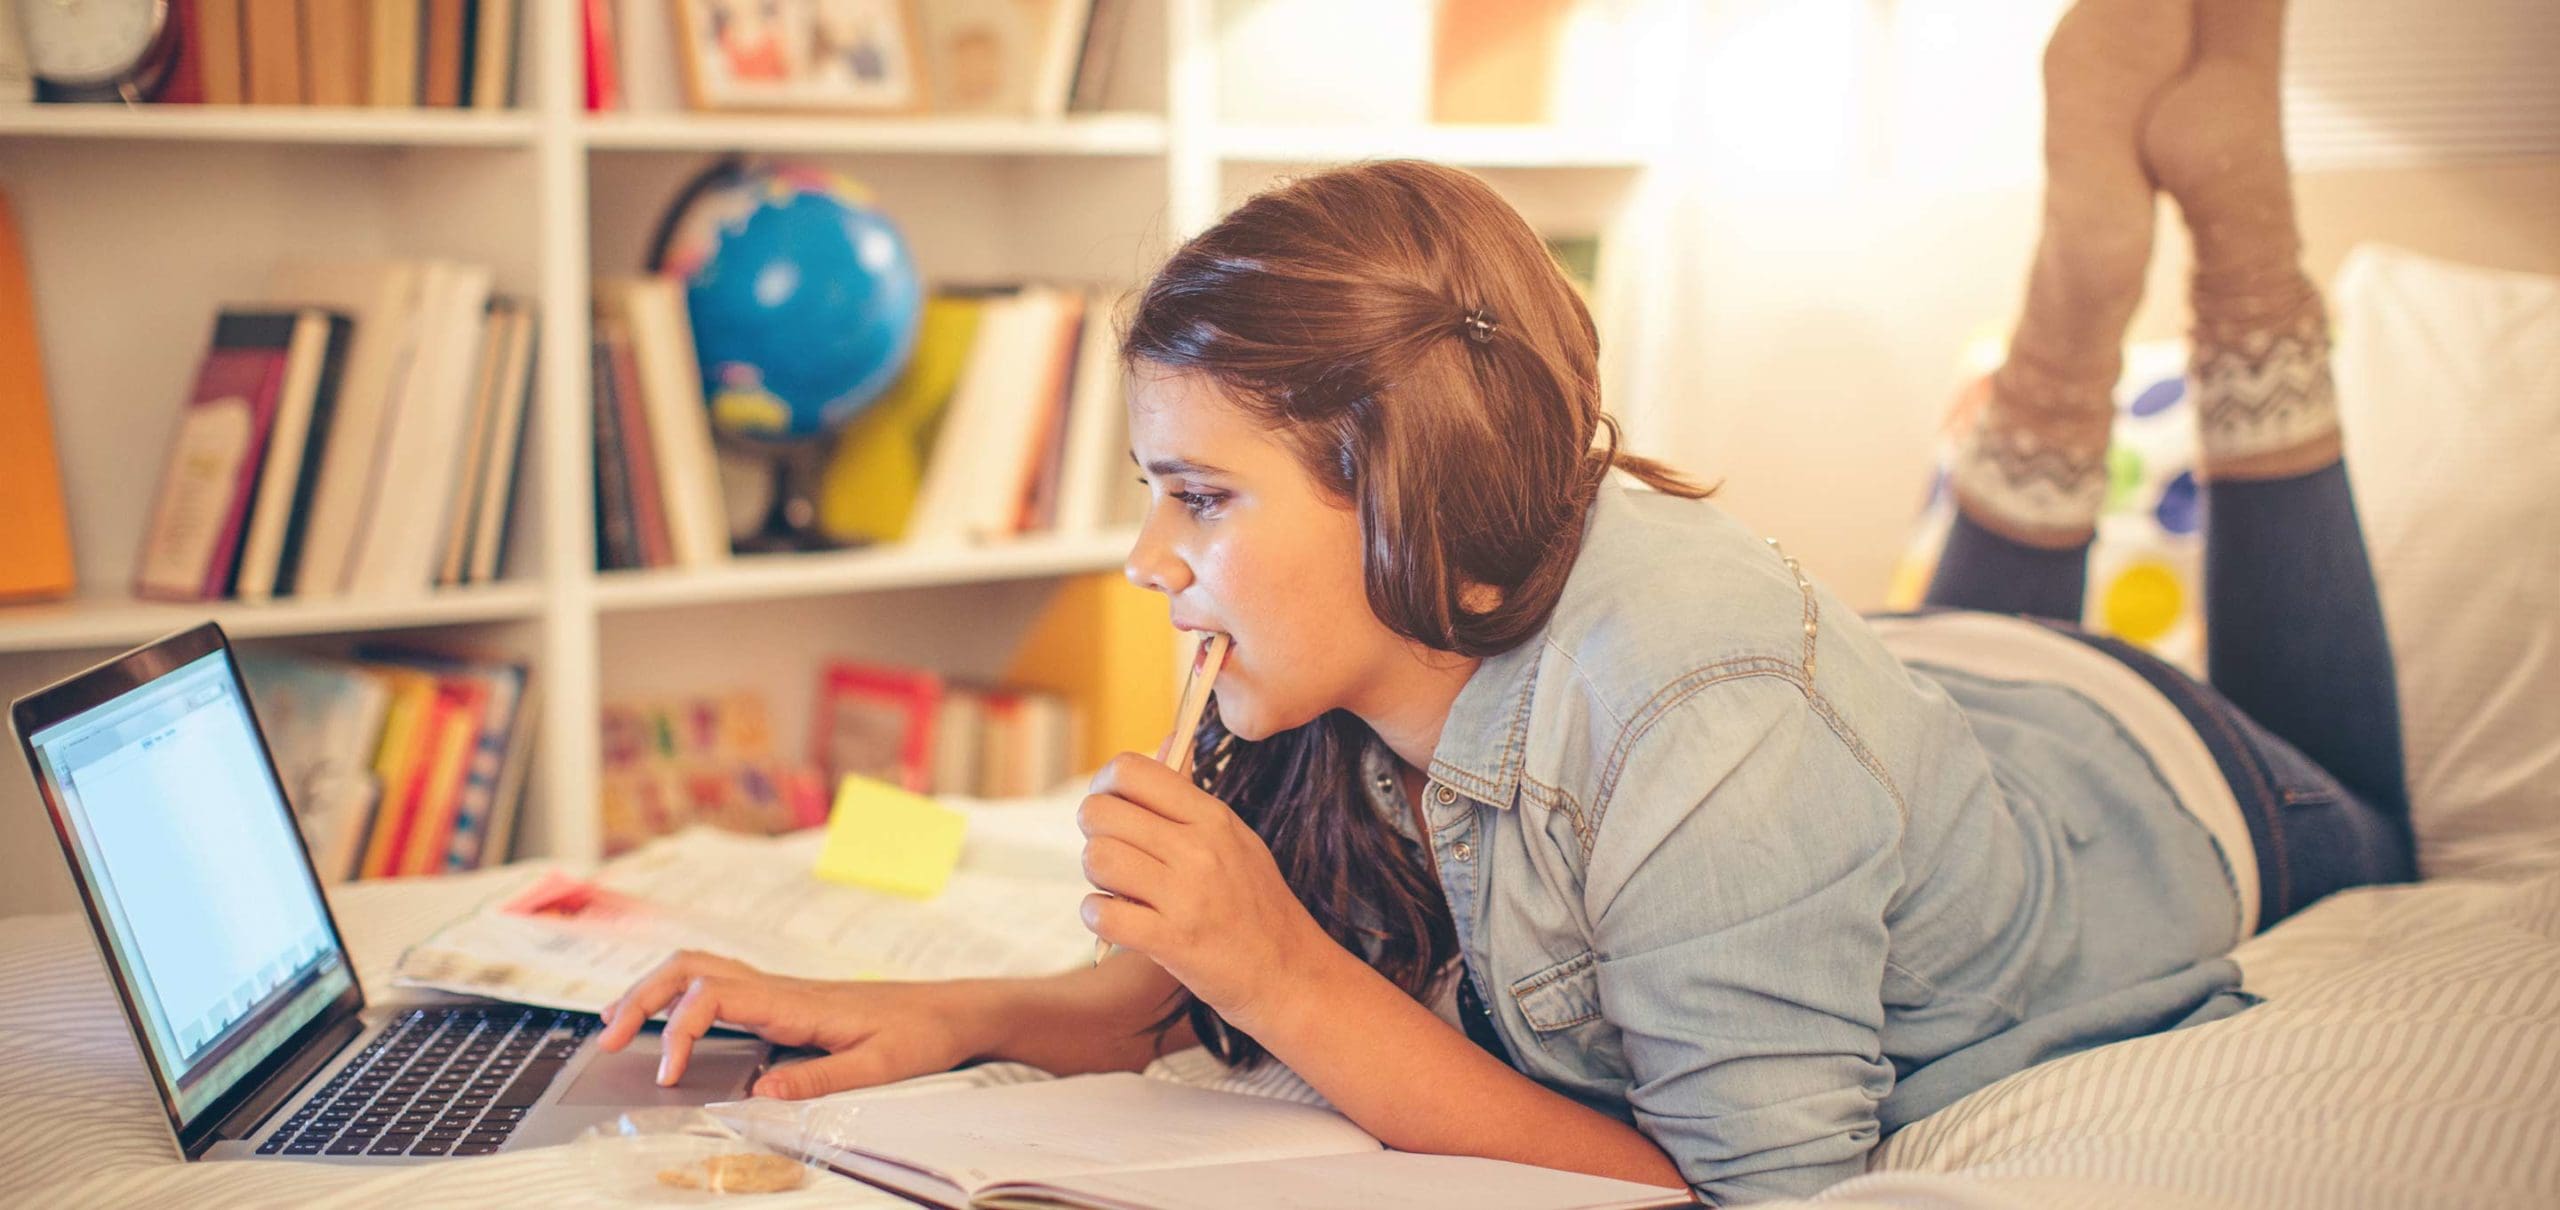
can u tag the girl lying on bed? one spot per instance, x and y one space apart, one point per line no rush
1545 818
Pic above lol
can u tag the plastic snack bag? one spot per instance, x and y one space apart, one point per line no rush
676 1156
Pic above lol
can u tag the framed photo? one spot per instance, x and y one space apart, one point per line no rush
808 56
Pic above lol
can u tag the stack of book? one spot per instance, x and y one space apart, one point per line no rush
911 727
673 762
361 436
658 493
398 762
387 53
1008 421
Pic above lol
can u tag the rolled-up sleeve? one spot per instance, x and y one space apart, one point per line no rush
1737 887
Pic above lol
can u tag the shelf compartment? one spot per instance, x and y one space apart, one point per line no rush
780 576
271 124
1100 135
106 622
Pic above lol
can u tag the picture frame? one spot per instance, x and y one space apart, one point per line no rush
801 56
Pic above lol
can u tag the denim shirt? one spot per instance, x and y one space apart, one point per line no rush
1725 869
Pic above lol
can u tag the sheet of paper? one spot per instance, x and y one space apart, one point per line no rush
980 925
1086 1124
883 838
1359 1182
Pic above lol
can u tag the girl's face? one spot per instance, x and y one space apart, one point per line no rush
1241 540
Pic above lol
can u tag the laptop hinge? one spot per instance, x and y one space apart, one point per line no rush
288 1079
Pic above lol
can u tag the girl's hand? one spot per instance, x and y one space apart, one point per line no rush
1192 887
875 1032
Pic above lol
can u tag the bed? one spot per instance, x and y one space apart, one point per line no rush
2406 1051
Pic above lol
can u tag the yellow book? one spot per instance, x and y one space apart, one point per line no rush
1106 646
413 706
869 488
449 754
35 541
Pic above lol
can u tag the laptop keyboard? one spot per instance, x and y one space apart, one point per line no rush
438 1081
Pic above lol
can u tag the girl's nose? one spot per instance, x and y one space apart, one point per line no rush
1153 565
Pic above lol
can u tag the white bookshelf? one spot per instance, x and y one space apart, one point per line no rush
139 223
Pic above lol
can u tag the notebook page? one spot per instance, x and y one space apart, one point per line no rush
1342 1182
982 924
1089 1124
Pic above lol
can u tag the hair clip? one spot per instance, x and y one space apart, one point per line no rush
1479 325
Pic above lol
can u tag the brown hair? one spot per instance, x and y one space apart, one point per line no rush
1412 340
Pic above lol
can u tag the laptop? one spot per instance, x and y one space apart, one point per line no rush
231 969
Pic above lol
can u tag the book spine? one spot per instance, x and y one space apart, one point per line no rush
441 60
616 546
324 418
192 545
488 761
273 31
640 457
220 54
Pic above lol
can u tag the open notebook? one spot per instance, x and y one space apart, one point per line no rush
1124 1141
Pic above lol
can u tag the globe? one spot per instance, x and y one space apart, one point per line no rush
803 296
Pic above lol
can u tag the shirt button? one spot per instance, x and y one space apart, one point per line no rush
1444 795
1463 851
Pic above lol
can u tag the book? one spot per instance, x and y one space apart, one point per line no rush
972 485
617 536
322 719
336 51
185 85
652 309
396 553
462 709
443 36
220 52
1044 454
499 486
1124 1141
453 544
384 299
493 54
869 488
396 758
1060 47
1096 444
392 37
639 453
35 544
191 544
17 75
271 33
598 52
1099 58
877 721
314 368
490 840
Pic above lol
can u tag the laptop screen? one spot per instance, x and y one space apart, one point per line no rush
207 900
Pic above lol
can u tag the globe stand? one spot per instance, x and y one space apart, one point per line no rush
791 511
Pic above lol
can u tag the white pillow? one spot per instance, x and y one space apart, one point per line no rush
2449 390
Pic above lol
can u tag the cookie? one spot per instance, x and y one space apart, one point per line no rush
737 1173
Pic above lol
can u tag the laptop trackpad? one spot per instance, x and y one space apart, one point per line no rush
721 1070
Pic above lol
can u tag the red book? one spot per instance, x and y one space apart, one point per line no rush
186 76
604 78
878 722
192 544
639 453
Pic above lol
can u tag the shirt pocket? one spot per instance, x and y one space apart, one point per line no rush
1578 1049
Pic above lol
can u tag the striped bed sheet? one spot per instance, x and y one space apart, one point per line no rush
2407 1055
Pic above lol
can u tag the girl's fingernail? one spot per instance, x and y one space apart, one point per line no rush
665 1080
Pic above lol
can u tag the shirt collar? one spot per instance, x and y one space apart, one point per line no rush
1486 736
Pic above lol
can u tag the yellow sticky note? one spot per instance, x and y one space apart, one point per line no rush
889 839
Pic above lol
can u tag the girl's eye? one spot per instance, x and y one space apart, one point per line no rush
1199 502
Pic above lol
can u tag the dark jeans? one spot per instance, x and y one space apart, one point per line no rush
2303 713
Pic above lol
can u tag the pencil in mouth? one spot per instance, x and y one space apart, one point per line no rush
1206 659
